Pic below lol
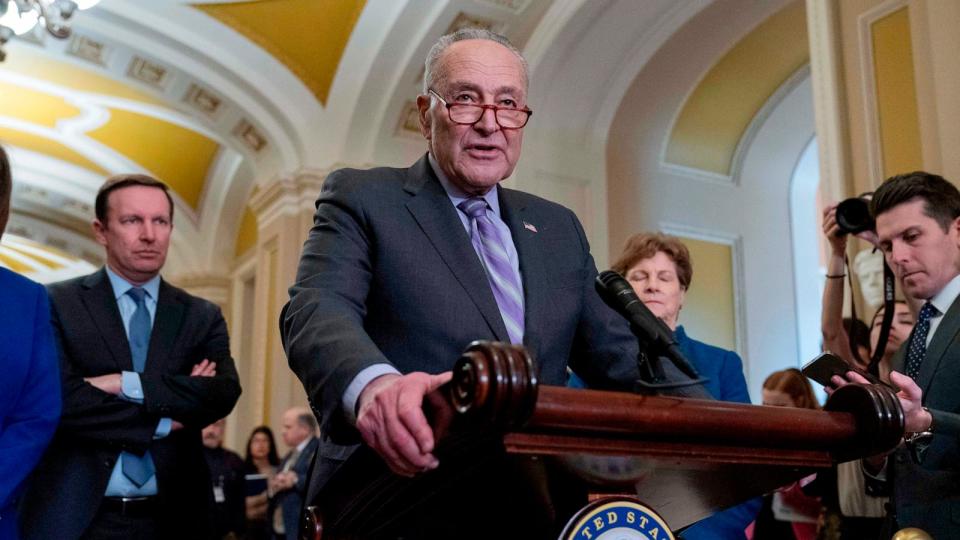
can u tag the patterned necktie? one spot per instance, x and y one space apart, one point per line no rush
138 469
504 281
918 342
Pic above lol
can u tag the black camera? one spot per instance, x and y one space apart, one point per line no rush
853 215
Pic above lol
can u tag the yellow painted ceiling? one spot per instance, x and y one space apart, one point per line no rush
39 261
25 61
34 106
307 36
718 112
49 147
178 156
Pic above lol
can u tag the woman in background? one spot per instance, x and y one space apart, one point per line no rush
30 386
658 267
261 459
788 513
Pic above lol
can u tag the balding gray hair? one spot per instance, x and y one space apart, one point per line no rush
306 419
429 72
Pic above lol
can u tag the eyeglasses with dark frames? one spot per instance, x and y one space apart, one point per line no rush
468 114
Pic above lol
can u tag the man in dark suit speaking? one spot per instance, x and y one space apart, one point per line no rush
144 367
403 268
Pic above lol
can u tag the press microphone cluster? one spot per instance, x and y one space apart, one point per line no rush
654 335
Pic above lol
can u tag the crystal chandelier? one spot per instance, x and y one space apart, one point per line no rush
18 17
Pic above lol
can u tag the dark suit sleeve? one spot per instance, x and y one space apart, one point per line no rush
90 414
197 401
605 351
946 423
33 419
323 323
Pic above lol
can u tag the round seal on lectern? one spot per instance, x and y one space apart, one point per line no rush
616 518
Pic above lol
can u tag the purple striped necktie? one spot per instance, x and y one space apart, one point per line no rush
504 281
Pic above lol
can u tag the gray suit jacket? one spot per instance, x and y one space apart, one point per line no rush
388 275
928 495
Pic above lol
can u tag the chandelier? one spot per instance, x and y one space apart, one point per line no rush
18 17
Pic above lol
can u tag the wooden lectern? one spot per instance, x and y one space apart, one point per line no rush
685 458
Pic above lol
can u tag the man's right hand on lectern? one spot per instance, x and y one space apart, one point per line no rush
390 418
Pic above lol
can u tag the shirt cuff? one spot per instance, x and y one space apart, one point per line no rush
130 386
163 428
356 386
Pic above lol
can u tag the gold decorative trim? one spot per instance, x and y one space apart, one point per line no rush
88 49
148 72
250 136
203 100
409 121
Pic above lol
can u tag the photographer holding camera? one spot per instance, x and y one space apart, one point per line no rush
918 227
852 216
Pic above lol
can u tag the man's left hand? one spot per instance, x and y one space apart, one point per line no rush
916 418
283 481
110 383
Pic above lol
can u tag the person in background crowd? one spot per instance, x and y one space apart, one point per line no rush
261 461
30 385
788 513
226 474
833 327
659 268
144 367
289 485
861 333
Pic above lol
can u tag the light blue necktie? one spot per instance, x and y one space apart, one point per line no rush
504 281
138 469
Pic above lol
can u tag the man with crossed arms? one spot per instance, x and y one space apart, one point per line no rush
144 367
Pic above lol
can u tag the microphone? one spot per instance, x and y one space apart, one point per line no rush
652 332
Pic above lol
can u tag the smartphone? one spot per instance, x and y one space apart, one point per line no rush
825 366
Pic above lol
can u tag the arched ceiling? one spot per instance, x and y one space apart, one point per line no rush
217 97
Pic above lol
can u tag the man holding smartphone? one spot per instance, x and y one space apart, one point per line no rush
918 225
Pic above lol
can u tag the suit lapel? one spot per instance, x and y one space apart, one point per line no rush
944 336
438 219
98 297
515 214
166 326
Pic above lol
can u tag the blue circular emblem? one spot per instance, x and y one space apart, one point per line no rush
616 518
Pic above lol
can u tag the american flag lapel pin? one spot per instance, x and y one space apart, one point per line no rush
529 226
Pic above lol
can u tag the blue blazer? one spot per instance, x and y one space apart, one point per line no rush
725 371
722 367
29 387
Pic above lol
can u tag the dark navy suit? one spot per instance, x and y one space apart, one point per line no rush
69 485
388 275
927 495
290 500
29 387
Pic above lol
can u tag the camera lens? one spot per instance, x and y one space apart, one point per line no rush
853 216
